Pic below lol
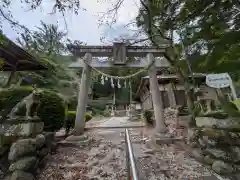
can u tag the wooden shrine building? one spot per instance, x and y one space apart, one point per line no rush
16 59
172 92
13 58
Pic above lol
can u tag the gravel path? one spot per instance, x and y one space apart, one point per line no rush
104 158
117 122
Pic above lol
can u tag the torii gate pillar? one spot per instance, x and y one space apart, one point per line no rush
83 96
160 127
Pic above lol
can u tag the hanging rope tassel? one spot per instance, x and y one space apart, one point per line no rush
102 80
125 84
112 83
119 85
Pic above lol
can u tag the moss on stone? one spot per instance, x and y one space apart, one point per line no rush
211 133
215 114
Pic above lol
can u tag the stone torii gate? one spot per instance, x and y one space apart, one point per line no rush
119 52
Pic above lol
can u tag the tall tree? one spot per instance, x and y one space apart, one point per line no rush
47 39
48 43
209 30
59 6
200 32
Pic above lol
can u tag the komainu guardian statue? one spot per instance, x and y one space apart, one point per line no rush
31 102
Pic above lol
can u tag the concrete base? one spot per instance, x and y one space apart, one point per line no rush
167 140
161 138
75 140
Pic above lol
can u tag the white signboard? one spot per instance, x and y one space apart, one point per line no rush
218 80
138 107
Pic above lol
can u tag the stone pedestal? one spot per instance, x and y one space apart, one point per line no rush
27 155
171 96
76 140
210 122
18 128
22 127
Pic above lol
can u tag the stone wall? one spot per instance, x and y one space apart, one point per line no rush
216 143
176 125
13 128
27 155
24 147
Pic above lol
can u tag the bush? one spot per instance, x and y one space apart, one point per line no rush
148 115
11 96
237 103
215 114
88 117
72 103
71 116
100 106
104 113
51 110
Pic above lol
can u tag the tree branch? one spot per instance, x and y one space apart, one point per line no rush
113 11
14 23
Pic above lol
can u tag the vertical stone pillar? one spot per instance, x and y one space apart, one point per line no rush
171 96
208 103
156 97
233 91
83 96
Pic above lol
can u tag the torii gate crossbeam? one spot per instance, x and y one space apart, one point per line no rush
108 51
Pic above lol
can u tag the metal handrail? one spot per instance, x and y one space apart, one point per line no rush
132 173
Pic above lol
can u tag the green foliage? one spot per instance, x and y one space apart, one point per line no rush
3 39
30 78
51 110
208 31
105 113
88 117
71 116
47 43
57 7
1 64
205 34
47 39
11 96
216 114
148 115
237 103
100 90
72 103
100 106
97 112
55 77
122 95
229 107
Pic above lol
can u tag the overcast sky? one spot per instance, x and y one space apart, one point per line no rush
83 27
